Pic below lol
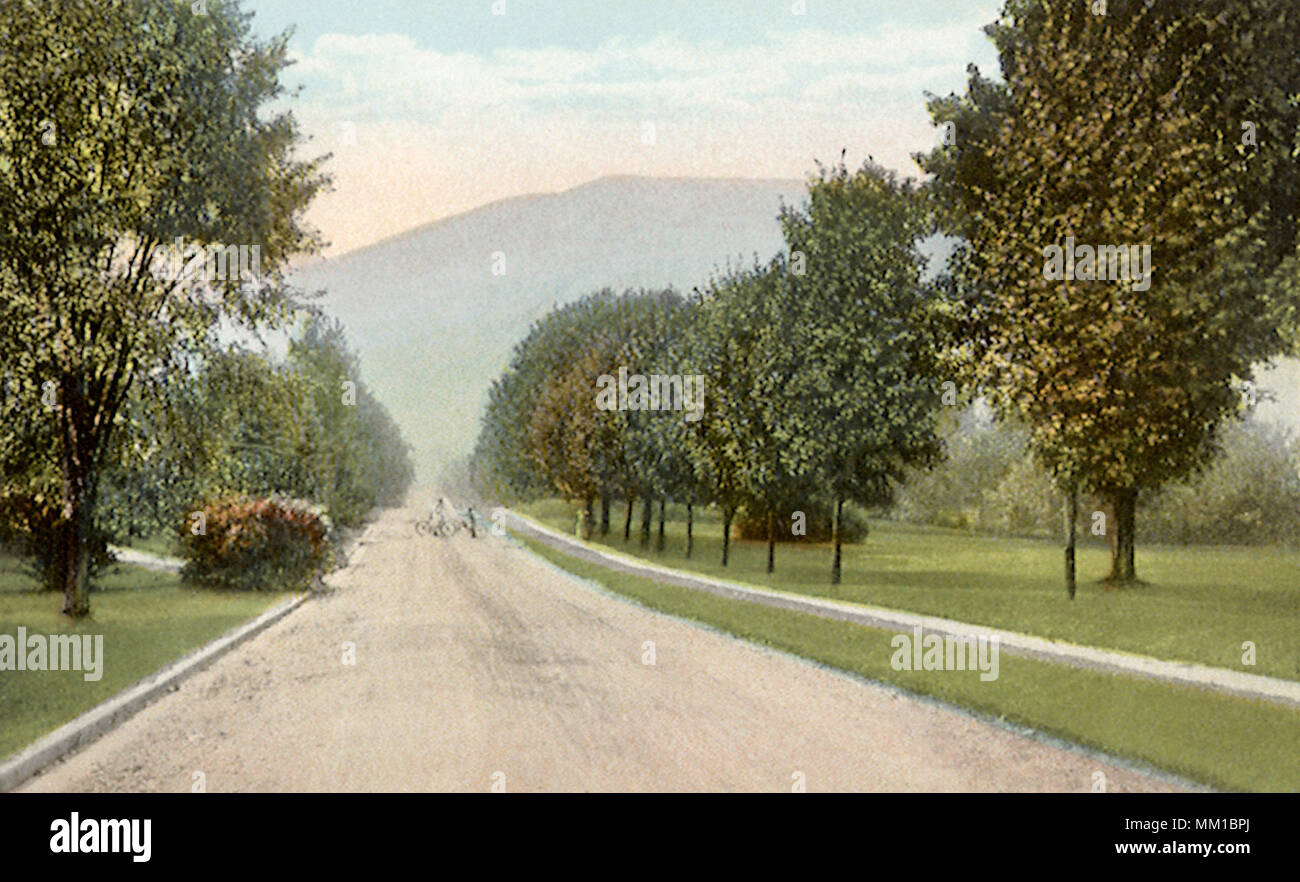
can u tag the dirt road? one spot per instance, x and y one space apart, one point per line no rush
461 664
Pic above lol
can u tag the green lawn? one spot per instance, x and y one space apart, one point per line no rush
147 619
1226 742
1199 603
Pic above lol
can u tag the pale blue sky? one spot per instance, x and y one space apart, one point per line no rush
469 25
431 108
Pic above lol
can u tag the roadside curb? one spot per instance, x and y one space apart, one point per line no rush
1222 680
87 727
95 722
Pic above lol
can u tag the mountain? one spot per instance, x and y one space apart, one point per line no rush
435 311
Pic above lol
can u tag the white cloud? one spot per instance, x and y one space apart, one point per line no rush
390 72
418 134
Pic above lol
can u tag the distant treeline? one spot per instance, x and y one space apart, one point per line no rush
1248 495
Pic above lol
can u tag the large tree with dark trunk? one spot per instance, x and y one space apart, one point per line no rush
139 160
1158 125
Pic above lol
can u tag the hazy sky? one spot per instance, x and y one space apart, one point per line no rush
432 108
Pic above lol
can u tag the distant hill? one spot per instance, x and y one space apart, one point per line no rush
433 325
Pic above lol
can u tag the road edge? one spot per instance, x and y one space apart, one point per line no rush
89 726
1136 766
1224 681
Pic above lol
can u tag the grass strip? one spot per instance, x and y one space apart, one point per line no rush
1197 604
147 619
1225 742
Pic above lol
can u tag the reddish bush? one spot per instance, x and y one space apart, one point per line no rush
255 544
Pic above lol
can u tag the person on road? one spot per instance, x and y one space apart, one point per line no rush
441 511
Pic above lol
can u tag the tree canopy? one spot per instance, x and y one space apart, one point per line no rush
1155 130
136 140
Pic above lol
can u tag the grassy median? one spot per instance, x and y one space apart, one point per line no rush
1225 742
147 619
1197 603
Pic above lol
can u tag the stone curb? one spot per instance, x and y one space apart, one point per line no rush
1224 680
95 722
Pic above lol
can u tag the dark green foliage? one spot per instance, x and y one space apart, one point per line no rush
817 369
853 527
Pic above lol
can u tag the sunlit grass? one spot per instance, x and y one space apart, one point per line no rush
1219 740
147 619
1196 603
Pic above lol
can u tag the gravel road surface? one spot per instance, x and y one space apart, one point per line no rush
468 665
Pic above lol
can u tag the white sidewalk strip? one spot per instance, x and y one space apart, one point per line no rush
1185 673
146 560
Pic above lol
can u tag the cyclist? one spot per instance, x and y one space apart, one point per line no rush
441 513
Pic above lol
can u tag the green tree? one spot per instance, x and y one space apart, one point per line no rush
862 337
744 443
512 465
1123 129
653 457
167 454
543 431
355 456
132 132
305 426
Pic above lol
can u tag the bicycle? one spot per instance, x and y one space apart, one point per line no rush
443 528
435 526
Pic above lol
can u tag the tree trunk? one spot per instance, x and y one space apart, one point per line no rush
647 511
74 548
659 543
1124 517
78 462
627 524
690 528
771 541
1071 517
835 538
604 513
588 521
726 533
